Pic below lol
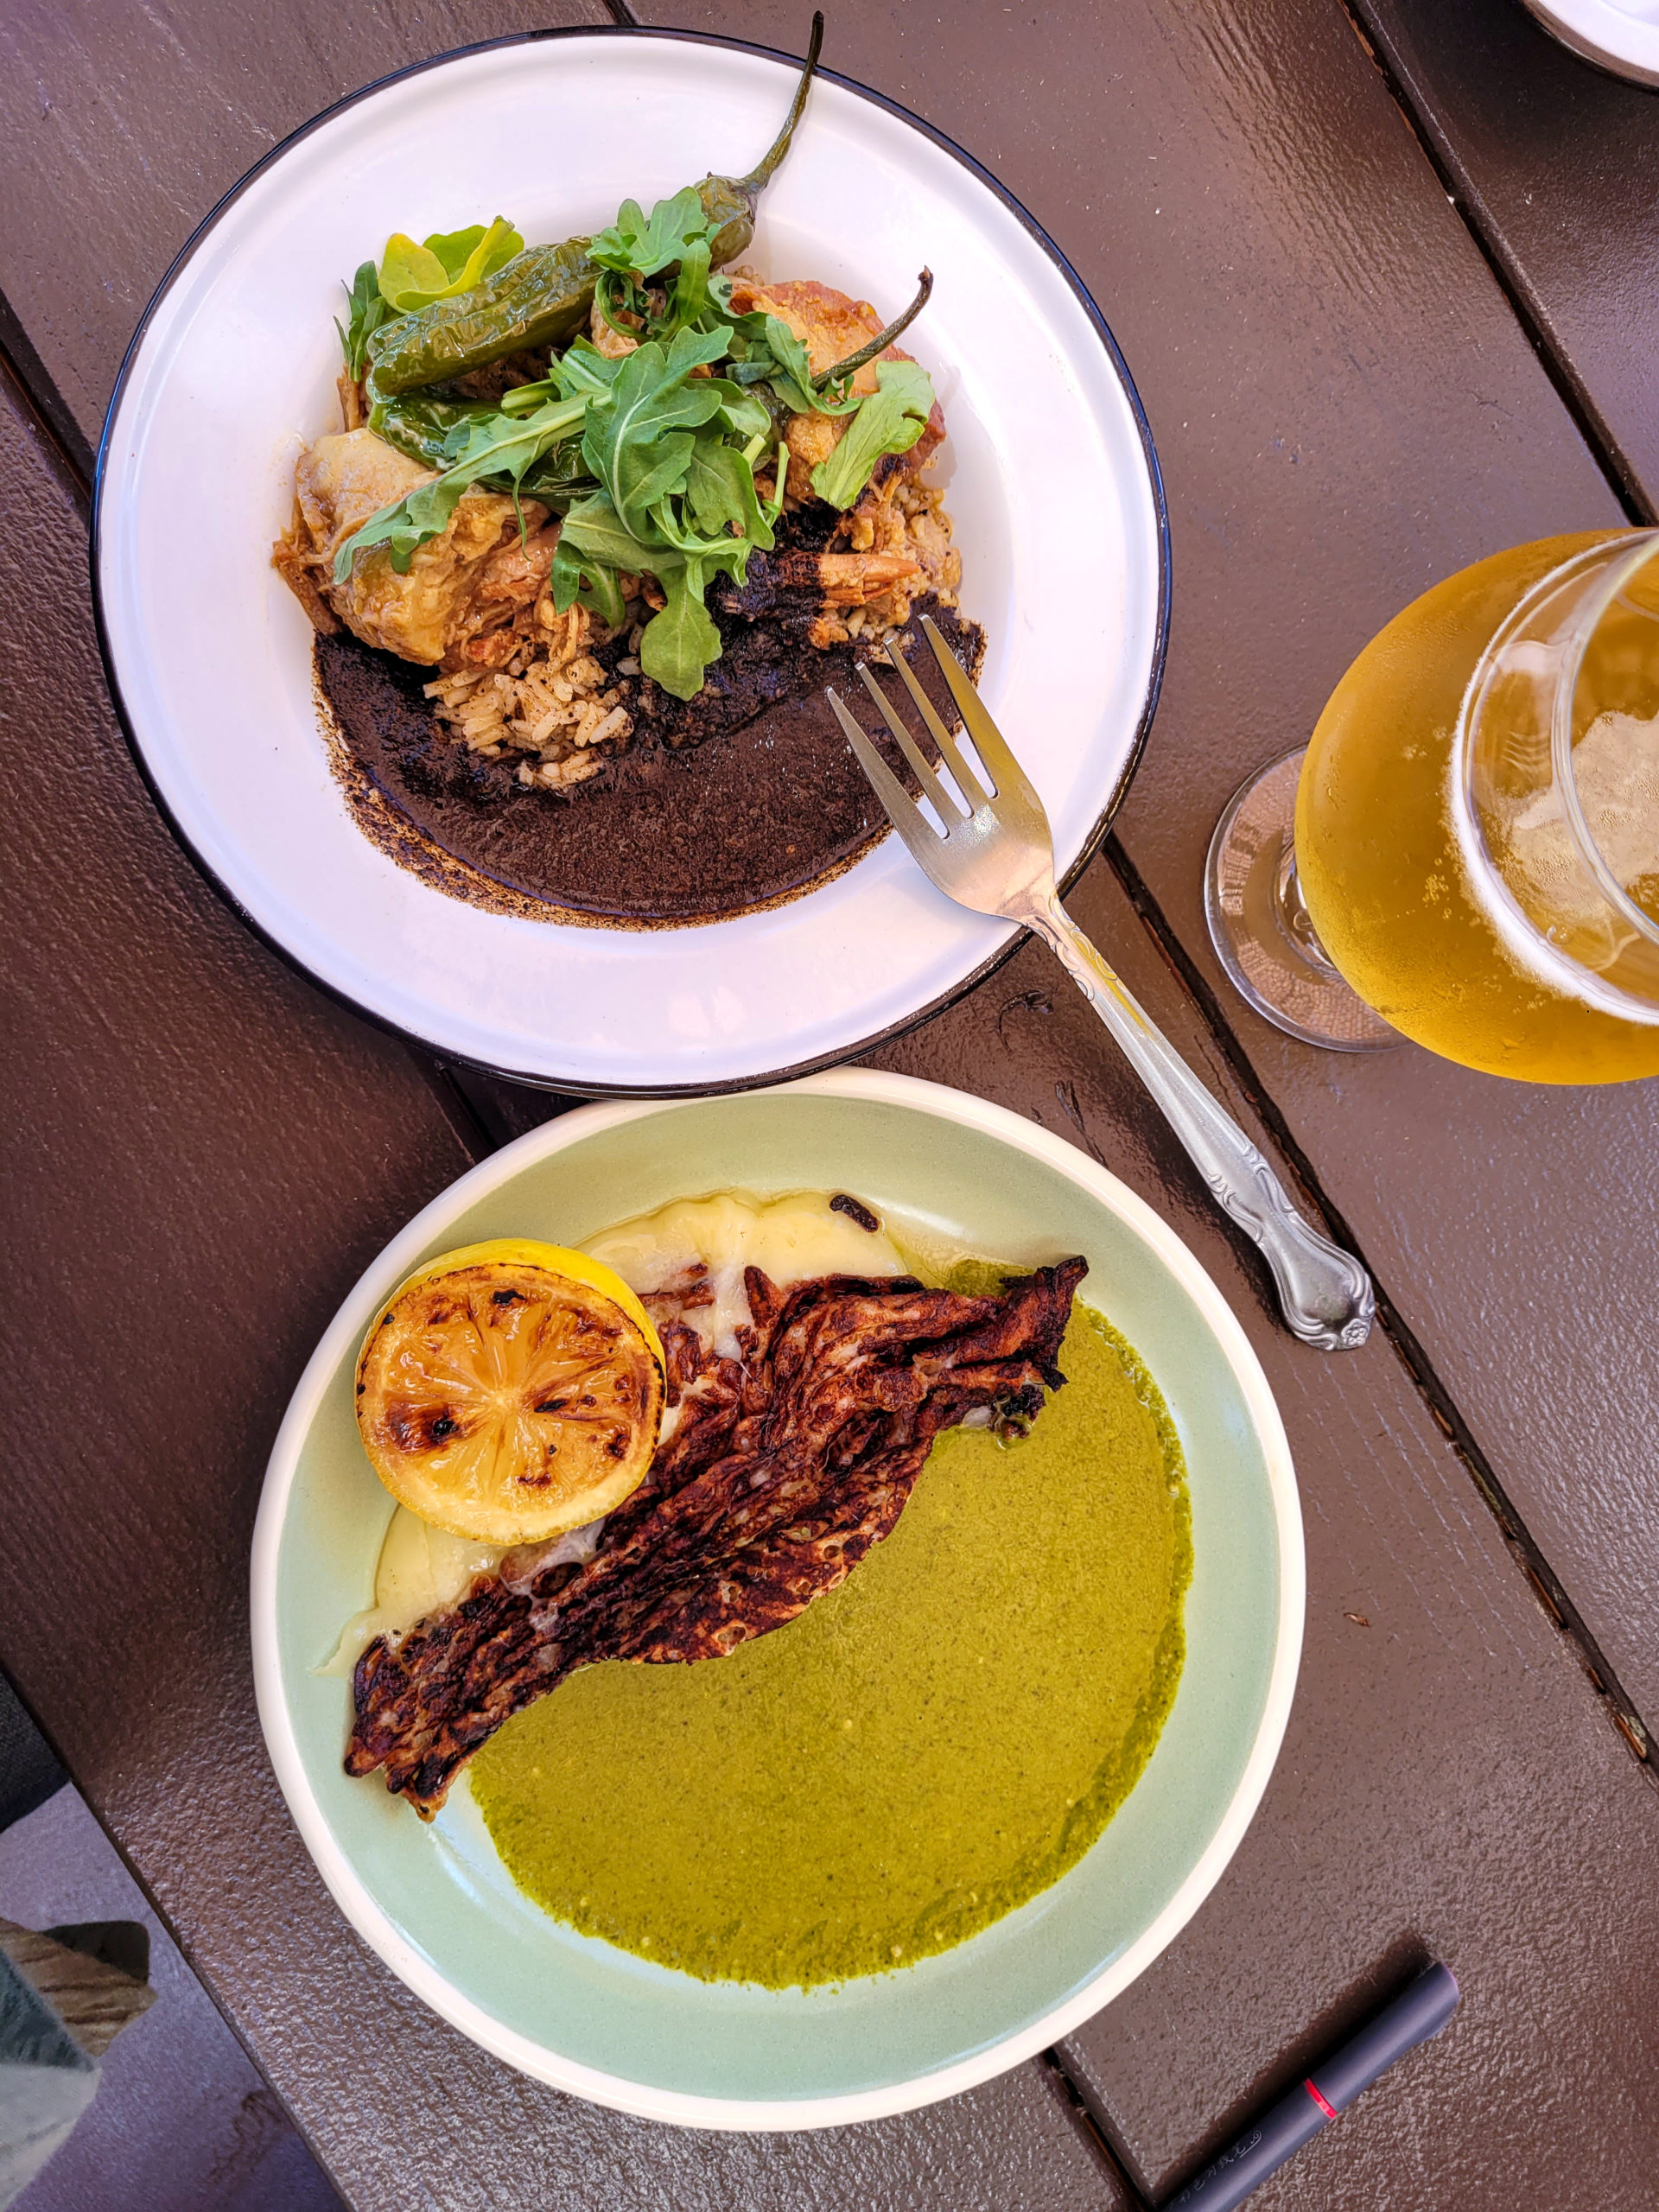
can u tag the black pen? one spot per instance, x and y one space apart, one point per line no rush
1419 2012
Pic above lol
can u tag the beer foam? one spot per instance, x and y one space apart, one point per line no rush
1553 900
1616 769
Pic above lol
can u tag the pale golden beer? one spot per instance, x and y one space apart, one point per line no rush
1477 832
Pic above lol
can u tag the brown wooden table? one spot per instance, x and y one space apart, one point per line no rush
1384 279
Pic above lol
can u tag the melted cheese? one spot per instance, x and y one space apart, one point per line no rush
421 1570
790 1239
425 1570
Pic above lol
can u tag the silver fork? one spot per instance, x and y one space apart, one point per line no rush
997 856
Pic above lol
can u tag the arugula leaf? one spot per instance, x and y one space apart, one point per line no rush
497 445
673 486
574 580
405 526
594 527
451 262
656 437
888 420
637 442
604 597
681 640
792 374
564 577
632 311
675 537
764 349
595 548
740 412
688 296
583 368
720 488
639 245
368 312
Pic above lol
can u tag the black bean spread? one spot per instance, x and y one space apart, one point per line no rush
736 800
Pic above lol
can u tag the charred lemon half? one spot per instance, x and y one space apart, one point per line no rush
511 1390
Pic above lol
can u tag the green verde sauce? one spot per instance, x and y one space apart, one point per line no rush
922 1751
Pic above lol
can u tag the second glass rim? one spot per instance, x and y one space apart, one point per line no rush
1560 729
1643 544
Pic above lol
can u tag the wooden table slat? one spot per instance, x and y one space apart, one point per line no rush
1557 163
125 126
1346 409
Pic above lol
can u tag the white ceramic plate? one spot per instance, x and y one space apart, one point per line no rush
437 1904
1621 36
1052 482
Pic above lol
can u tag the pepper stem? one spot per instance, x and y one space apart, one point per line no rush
881 343
779 147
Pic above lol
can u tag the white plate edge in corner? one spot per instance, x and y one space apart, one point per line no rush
720 1059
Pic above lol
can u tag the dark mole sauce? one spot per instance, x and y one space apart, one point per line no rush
732 802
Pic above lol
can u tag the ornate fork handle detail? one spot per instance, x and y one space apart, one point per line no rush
1327 1295
994 854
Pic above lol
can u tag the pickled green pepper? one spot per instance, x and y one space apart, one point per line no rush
543 295
418 427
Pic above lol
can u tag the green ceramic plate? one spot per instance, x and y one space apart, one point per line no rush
435 1903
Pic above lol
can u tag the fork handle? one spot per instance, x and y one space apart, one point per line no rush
1327 1296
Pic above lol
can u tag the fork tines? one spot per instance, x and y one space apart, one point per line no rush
1007 780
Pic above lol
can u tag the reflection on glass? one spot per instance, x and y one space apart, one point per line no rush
1476 828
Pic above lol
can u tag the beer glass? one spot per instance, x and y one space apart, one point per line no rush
1467 852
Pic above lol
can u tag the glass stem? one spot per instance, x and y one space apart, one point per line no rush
1291 911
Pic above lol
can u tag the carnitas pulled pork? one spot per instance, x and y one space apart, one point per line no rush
467 599
785 1465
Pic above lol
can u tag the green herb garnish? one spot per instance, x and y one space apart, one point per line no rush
678 499
641 246
889 420
498 445
368 312
637 440
650 456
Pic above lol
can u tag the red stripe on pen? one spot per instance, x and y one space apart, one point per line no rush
1324 2106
